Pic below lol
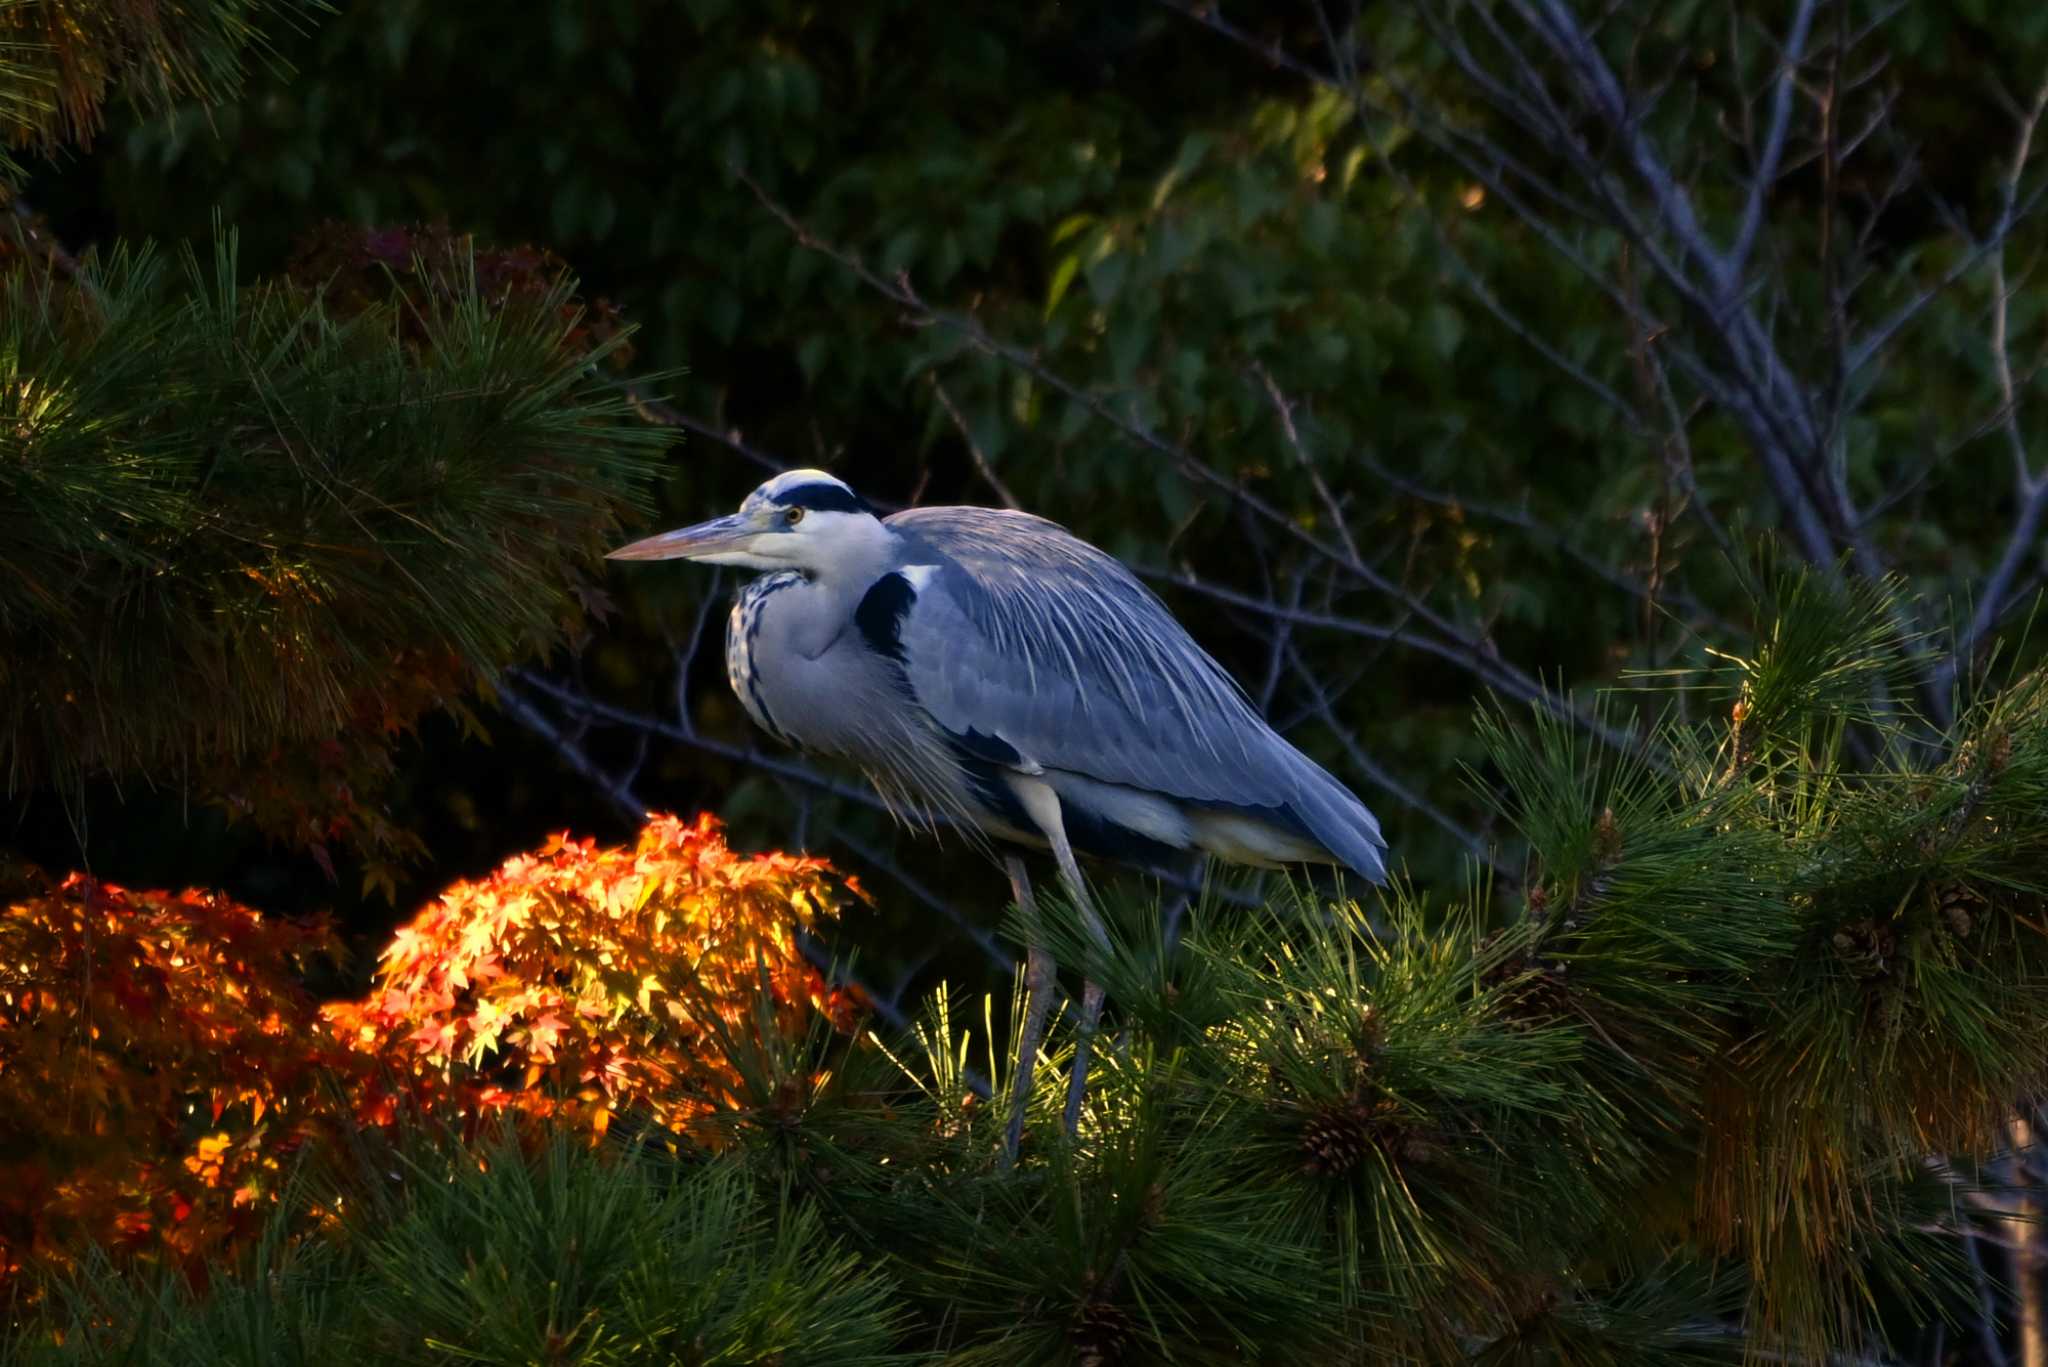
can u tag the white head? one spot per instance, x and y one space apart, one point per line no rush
800 520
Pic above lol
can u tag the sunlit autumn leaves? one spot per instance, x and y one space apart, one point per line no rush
581 981
157 1055
160 1059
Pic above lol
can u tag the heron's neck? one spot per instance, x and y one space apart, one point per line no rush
814 613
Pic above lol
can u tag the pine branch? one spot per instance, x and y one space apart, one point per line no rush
238 519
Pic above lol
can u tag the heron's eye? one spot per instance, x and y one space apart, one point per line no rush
792 517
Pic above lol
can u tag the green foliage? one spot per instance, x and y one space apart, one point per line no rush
287 1311
240 521
566 1255
560 1258
1141 1247
61 60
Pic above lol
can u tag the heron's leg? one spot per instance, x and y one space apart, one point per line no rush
1077 1083
1039 979
1091 991
1042 805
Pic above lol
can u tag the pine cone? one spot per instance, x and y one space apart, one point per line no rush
1335 1137
1959 905
1100 1334
1866 947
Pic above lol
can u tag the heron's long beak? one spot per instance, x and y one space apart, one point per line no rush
719 536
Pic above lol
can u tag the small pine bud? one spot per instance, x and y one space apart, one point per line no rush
1370 1035
1606 837
1154 1213
786 1111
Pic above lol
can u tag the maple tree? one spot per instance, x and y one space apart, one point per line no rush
579 981
161 1060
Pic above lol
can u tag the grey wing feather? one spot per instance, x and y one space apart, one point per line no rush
1027 635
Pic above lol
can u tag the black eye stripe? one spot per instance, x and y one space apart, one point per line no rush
822 498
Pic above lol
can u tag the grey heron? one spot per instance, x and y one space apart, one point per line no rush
988 669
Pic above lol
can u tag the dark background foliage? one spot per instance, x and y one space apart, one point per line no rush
1207 245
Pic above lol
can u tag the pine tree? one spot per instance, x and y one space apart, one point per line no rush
251 532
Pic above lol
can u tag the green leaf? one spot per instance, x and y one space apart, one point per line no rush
1062 278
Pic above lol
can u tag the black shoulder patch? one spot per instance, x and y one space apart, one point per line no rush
992 748
880 614
821 497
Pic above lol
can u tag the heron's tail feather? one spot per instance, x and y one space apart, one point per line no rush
1339 821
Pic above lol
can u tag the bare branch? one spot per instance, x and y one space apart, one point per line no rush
664 414
974 451
616 791
686 655
1760 393
1283 409
1737 362
1873 343
897 874
1279 634
580 704
2030 487
1479 661
1766 174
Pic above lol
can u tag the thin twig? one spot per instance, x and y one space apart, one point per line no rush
974 452
665 414
1766 174
2030 486
1283 408
897 874
623 799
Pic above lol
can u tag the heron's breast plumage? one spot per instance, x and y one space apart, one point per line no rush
848 698
742 636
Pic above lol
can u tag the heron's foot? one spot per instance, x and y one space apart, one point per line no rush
1077 1083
